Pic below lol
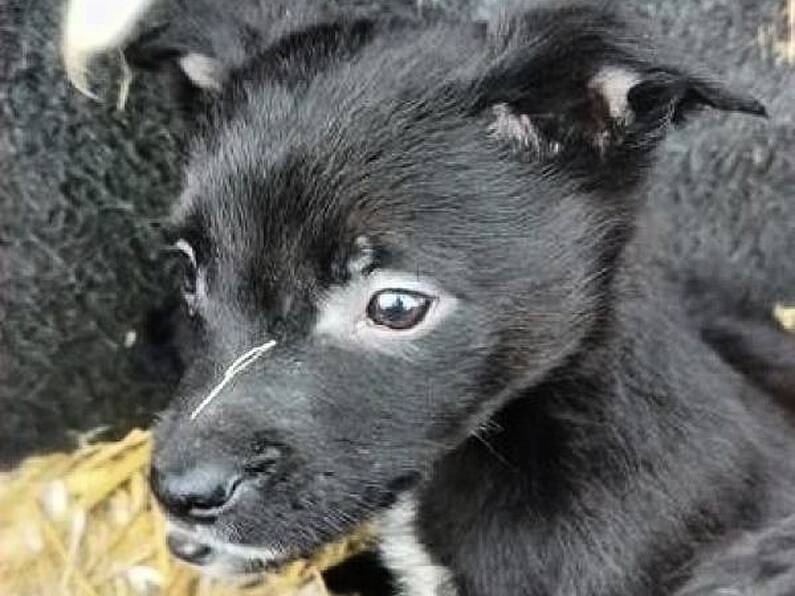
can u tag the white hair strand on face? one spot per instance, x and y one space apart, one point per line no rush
240 363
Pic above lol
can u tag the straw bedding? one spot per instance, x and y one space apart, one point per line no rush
85 523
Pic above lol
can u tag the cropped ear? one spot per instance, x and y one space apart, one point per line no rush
582 80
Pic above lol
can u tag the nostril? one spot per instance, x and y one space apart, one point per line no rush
189 550
198 493
204 503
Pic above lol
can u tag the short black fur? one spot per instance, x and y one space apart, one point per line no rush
565 431
638 390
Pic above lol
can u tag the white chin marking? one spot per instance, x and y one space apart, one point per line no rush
228 559
614 85
404 555
93 27
252 553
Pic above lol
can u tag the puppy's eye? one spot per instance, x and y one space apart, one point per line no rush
188 272
398 309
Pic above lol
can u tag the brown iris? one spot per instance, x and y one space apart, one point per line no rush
398 309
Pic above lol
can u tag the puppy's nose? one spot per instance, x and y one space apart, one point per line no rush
196 493
188 550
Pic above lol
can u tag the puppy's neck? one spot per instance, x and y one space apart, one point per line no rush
603 440
415 571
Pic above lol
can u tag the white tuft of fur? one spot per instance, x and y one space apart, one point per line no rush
509 126
613 85
228 557
93 27
519 130
404 555
205 72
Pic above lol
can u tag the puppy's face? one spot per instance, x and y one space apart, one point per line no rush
376 260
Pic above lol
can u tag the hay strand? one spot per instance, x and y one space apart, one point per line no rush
84 523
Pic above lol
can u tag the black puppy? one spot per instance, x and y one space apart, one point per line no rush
412 262
76 241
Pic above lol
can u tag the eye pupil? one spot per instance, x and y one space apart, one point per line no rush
398 309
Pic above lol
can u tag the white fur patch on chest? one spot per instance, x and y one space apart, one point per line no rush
416 574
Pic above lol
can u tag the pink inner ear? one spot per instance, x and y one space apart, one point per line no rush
519 130
607 110
612 85
510 126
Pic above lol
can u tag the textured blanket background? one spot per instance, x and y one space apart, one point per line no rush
723 204
86 332
81 186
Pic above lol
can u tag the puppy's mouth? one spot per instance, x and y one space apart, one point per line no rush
206 547
218 558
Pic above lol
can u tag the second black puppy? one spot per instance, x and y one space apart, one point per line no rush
410 258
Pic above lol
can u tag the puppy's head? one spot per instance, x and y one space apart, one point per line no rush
388 232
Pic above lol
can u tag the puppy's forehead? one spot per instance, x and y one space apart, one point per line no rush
299 175
299 195
279 233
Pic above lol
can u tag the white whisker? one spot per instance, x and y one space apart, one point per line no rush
239 365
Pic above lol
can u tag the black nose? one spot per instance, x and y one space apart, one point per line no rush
189 550
197 493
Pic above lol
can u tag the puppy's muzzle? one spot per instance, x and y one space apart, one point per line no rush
197 494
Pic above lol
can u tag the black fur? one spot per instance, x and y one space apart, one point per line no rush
564 431
703 177
754 564
44 394
760 349
83 191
